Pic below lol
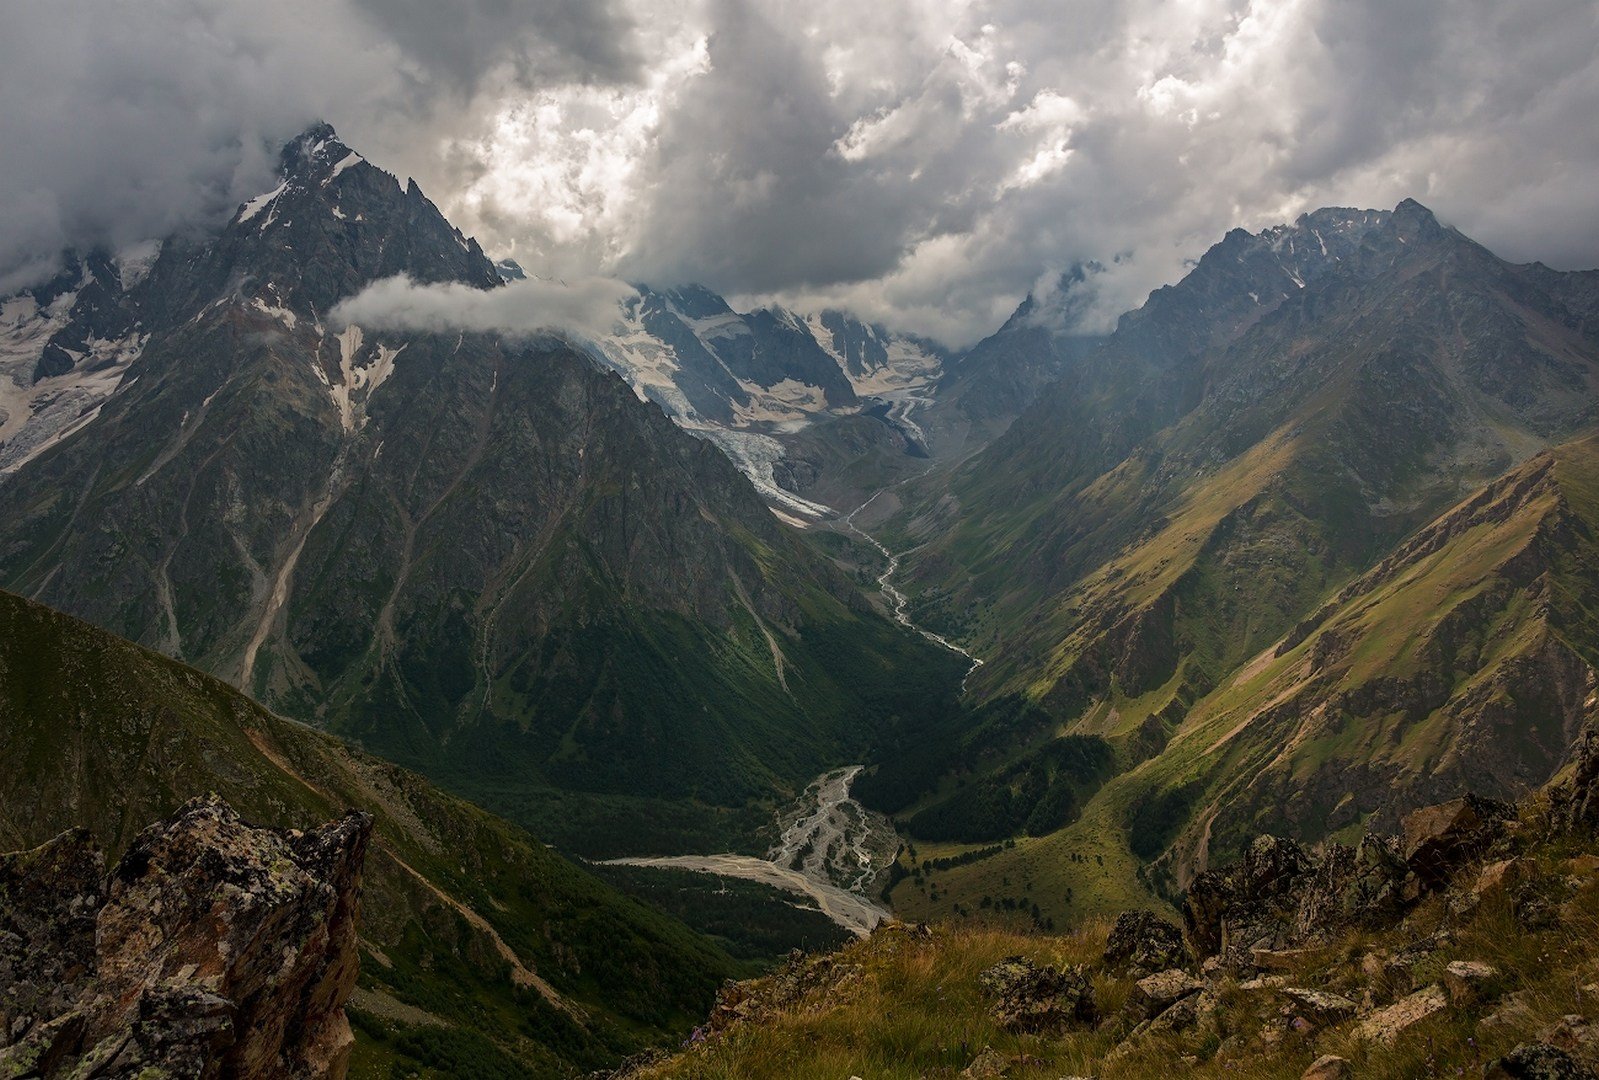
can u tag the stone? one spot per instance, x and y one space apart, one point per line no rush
1322 1007
1155 993
1387 976
988 1065
1030 998
1514 1011
1467 980
1386 1025
1574 803
1576 1035
1537 1061
1582 865
1328 1067
1181 1015
1439 840
1142 943
1499 876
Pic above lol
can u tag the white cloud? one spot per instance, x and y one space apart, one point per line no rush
590 306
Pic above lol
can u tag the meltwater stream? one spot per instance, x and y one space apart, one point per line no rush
897 600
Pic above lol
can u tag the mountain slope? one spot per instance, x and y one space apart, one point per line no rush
485 559
478 943
1130 553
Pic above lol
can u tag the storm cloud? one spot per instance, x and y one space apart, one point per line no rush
922 162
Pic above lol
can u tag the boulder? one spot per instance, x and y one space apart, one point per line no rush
1439 840
1467 980
1537 1061
1576 1035
1328 1067
1153 994
1499 876
1142 943
1030 998
1320 1006
214 948
1279 899
1386 1025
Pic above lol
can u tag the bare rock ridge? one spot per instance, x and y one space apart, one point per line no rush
213 948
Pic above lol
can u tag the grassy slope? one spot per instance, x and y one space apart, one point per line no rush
911 1007
96 731
1458 662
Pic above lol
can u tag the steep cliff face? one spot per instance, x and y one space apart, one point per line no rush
214 948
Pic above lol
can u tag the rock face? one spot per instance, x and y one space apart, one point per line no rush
214 948
1142 943
1280 897
1029 998
1574 804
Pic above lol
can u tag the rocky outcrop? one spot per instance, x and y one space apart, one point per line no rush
1030 998
1142 943
214 948
1281 897
1574 803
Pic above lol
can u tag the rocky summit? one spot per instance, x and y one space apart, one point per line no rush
213 948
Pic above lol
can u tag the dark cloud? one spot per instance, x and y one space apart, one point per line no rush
122 121
921 161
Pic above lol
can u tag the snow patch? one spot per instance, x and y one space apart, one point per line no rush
260 203
357 383
352 158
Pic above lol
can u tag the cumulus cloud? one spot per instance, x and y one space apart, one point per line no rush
921 162
589 307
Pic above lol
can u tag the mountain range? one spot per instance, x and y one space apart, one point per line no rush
1306 541
480 556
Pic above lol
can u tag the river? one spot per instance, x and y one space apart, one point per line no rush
830 849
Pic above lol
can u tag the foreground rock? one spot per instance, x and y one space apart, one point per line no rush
1030 998
1142 943
213 949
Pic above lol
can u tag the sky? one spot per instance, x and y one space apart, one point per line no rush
924 163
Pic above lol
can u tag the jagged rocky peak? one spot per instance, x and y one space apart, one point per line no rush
331 225
214 948
510 270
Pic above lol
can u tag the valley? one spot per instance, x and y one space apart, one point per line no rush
663 646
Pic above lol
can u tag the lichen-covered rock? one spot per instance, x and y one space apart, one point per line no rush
1537 1061
1329 1067
214 949
1142 943
1030 998
1279 898
1468 980
1319 1005
48 900
1155 993
1386 1025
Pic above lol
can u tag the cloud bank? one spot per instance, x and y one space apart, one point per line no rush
588 307
922 162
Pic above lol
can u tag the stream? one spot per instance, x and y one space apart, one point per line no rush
897 600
